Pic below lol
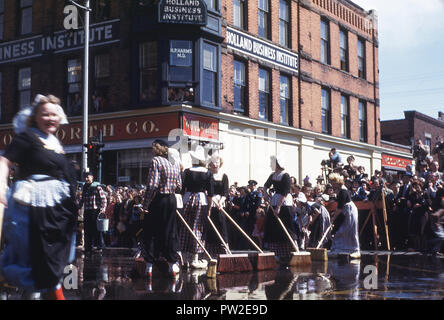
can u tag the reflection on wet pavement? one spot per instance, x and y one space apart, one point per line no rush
111 276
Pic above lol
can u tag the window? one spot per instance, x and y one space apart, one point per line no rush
284 22
74 79
343 44
180 71
212 5
361 58
209 82
102 66
148 71
263 19
325 42
285 89
2 18
428 141
101 10
362 121
239 13
345 117
325 111
240 89
24 87
25 16
264 94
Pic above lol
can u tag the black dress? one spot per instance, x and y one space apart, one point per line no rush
274 236
213 243
51 228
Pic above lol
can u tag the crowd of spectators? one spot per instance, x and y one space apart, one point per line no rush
414 202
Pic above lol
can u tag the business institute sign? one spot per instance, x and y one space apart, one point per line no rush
257 48
102 33
183 12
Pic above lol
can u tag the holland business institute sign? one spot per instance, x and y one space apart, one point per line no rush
183 12
262 50
102 33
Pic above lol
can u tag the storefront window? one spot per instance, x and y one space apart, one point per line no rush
133 166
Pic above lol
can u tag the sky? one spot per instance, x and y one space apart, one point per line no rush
411 55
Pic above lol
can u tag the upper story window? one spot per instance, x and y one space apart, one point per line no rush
240 88
264 94
212 5
209 83
325 42
74 81
25 17
361 58
101 10
343 45
148 76
1 94
325 111
240 14
264 19
345 117
2 18
285 99
284 23
180 70
362 121
24 87
101 76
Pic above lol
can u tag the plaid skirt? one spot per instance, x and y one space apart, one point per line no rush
194 214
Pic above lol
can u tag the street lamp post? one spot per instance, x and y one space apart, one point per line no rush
87 9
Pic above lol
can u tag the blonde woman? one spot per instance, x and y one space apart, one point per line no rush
41 214
346 238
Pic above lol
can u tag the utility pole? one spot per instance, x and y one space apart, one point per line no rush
87 9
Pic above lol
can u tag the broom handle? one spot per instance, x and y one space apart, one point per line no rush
194 236
238 227
219 235
324 235
296 248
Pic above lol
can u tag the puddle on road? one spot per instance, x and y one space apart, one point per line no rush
111 276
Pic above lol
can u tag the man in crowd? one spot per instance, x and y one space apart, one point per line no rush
94 202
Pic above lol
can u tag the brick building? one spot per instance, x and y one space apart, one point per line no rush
251 78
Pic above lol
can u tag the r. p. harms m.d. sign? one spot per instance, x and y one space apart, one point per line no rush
183 12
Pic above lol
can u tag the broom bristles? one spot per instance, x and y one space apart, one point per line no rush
319 254
234 263
266 261
301 258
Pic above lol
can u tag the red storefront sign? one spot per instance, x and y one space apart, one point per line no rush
200 127
117 129
395 162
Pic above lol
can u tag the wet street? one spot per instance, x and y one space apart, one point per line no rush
111 276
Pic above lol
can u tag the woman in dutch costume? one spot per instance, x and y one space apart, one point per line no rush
198 187
41 213
221 187
275 238
346 238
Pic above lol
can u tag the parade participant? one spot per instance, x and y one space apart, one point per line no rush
220 183
41 214
275 238
160 232
94 202
199 189
319 222
346 238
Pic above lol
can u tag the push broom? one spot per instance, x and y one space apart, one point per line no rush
298 258
212 265
261 260
318 253
230 262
